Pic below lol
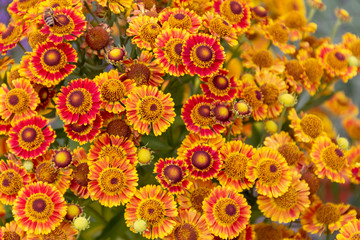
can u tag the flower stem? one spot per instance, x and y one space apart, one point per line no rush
311 14
92 14
327 233
336 26
22 47
281 122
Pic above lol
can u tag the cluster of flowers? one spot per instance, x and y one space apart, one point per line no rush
215 185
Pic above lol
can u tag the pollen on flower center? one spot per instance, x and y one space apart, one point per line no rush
80 174
140 73
220 27
197 197
174 49
118 127
263 59
288 199
253 96
39 206
112 181
328 213
294 69
113 90
333 158
79 101
180 20
17 100
290 152
226 211
46 172
11 236
11 182
152 210
311 125
201 115
151 109
235 165
186 231
336 60
279 33
270 93
149 32
269 172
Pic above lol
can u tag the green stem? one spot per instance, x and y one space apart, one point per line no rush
311 14
92 14
327 233
229 133
281 122
336 26
22 47
98 217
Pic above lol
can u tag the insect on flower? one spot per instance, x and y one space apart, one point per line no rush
50 17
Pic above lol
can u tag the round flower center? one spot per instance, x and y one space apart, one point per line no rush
149 32
31 137
118 127
174 50
11 236
53 60
79 101
263 59
140 73
46 172
44 94
232 10
203 56
17 101
116 54
270 93
112 181
220 82
113 90
295 19
180 20
39 207
253 96
290 152
311 125
197 198
336 60
242 108
151 109
186 231
312 180
201 160
220 27
97 38
173 173
80 174
201 115
328 213
73 211
355 236
260 11
333 158
35 38
279 33
62 158
294 69
52 57
221 112
355 48
269 172
112 152
288 200
313 70
64 25
268 232
80 128
11 34
152 210
10 182
226 211
235 165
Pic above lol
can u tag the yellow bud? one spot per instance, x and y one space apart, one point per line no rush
28 165
73 211
271 126
353 61
144 156
343 143
287 100
140 225
81 223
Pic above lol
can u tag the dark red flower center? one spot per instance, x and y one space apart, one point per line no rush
52 57
339 152
55 5
29 134
7 32
178 48
6 182
230 209
62 20
204 111
273 168
260 11
153 107
226 23
118 127
179 16
114 181
204 53
76 98
43 94
39 205
80 174
221 112
340 56
201 160
220 82
79 128
186 231
151 210
62 158
173 173
258 95
235 7
13 100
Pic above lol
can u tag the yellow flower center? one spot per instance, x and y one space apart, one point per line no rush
31 137
290 152
112 181
253 96
17 101
25 5
295 19
235 165
11 182
39 207
333 158
186 231
174 50
336 60
201 115
35 38
226 211
180 20
140 73
263 59
144 156
268 232
355 48
73 211
270 93
112 152
313 70
116 54
197 197
152 210
232 10
57 233
79 101
202 55
46 172
220 27
113 90
150 109
8 235
64 25
53 59
288 200
328 213
149 32
311 125
294 69
269 172
62 158
279 33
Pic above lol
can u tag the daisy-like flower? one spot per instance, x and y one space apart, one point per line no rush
112 181
64 231
116 6
307 128
235 156
112 146
349 231
313 70
145 30
172 174
143 70
30 137
84 133
237 12
46 96
18 102
190 225
353 158
340 105
271 170
169 48
11 231
288 206
80 180
297 23
113 91
272 231
329 159
202 54
220 28
120 126
182 18
194 196
22 8
69 24
219 86
147 107
352 42
52 62
5 126
196 114
253 96
334 59
79 102
226 212
200 7
13 177
352 127
155 206
39 208
11 35
286 146
279 35
319 216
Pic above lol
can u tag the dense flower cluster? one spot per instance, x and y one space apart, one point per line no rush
182 116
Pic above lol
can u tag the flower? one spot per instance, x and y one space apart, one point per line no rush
253 97
288 206
272 231
226 212
31 137
18 102
115 6
147 107
181 18
80 180
342 15
350 230
12 230
11 35
69 24
52 62
84 133
98 39
64 231
13 178
329 159
340 105
79 102
154 205
235 156
112 181
145 30
271 170
171 173
39 208
113 91
352 127
279 35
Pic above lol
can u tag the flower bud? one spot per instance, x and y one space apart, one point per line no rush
140 225
271 126
287 100
81 223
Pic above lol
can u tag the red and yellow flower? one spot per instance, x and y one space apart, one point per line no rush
83 133
181 18
11 35
116 6
80 180
353 158
12 230
350 230
279 35
352 127
64 231
341 105
145 30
